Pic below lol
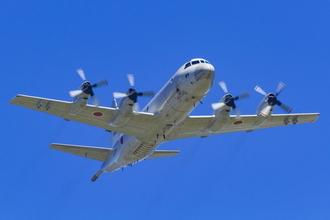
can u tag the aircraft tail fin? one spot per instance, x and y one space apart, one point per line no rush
95 153
163 153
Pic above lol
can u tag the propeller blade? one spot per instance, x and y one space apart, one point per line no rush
284 107
241 96
114 103
150 93
136 107
75 93
280 88
218 105
237 112
266 111
130 79
119 95
101 83
222 84
233 105
259 89
91 92
81 74
95 100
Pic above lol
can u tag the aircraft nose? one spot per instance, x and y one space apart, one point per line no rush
205 71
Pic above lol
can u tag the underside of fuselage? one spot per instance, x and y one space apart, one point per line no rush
180 95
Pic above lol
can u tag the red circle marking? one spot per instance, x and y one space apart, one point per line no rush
238 122
98 114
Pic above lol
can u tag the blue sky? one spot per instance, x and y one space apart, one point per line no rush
278 173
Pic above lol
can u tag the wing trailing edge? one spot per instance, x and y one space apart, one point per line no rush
163 153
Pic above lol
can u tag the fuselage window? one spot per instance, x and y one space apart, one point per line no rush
195 62
187 65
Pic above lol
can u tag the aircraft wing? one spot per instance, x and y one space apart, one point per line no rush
141 124
196 126
97 116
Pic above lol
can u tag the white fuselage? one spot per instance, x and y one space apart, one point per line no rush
179 96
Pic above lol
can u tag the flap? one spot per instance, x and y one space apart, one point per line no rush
163 153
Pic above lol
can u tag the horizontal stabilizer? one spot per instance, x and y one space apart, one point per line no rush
163 153
95 153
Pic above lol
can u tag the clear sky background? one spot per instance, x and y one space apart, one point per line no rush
277 173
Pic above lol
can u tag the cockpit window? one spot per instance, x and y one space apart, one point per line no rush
187 65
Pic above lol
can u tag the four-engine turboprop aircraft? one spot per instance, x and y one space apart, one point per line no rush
137 134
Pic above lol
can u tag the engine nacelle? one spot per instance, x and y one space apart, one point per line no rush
264 112
261 118
78 105
124 113
220 120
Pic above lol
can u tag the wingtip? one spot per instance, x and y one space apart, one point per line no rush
316 118
12 101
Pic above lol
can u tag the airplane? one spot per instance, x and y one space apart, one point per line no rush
137 134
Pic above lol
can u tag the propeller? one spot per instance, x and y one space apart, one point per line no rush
87 87
223 85
130 78
280 88
259 89
81 74
132 93
272 99
228 100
